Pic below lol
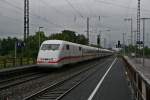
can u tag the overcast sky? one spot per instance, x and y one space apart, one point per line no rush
57 15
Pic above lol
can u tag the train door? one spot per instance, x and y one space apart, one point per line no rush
74 53
68 49
80 53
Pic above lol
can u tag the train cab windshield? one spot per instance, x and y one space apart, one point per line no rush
50 46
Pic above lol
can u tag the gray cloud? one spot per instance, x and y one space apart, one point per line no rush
56 15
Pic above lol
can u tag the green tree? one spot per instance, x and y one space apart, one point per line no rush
7 46
81 40
32 44
31 48
70 36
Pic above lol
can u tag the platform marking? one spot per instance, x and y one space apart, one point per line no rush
100 82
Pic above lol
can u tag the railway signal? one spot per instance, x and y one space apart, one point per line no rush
119 44
98 40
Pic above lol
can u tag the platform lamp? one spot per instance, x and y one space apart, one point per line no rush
40 36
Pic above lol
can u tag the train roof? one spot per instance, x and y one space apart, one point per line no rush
66 42
59 42
53 41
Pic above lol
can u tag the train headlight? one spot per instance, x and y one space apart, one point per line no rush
39 59
51 59
54 59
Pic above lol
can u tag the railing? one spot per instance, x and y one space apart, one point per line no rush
13 62
140 86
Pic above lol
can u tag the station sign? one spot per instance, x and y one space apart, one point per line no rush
20 44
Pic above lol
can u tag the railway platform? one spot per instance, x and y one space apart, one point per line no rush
102 79
104 85
139 76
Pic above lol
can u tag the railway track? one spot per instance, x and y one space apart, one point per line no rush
10 82
25 85
20 79
57 90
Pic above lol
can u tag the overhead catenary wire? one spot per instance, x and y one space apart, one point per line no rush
10 4
118 5
77 11
20 11
50 6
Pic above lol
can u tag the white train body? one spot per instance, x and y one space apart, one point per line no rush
56 53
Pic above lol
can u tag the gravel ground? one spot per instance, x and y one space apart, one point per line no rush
21 91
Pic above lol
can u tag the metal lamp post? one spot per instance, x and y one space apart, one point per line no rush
100 35
40 36
130 19
144 38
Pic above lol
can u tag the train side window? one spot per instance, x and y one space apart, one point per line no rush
79 48
67 47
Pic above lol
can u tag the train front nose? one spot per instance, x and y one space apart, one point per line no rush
46 57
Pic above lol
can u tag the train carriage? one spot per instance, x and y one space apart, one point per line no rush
56 53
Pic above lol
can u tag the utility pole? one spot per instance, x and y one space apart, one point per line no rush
105 41
135 45
40 36
134 37
88 29
109 37
131 20
26 19
138 27
98 43
15 49
124 44
144 38
147 40
131 31
100 36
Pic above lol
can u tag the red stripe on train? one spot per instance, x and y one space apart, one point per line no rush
64 58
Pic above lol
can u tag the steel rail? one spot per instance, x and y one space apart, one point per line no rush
61 82
16 81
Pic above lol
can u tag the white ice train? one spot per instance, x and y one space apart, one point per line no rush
56 53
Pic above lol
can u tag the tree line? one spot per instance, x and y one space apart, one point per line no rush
30 47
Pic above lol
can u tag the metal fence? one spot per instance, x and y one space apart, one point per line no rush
140 86
13 62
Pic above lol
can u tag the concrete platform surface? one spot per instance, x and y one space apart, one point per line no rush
144 71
